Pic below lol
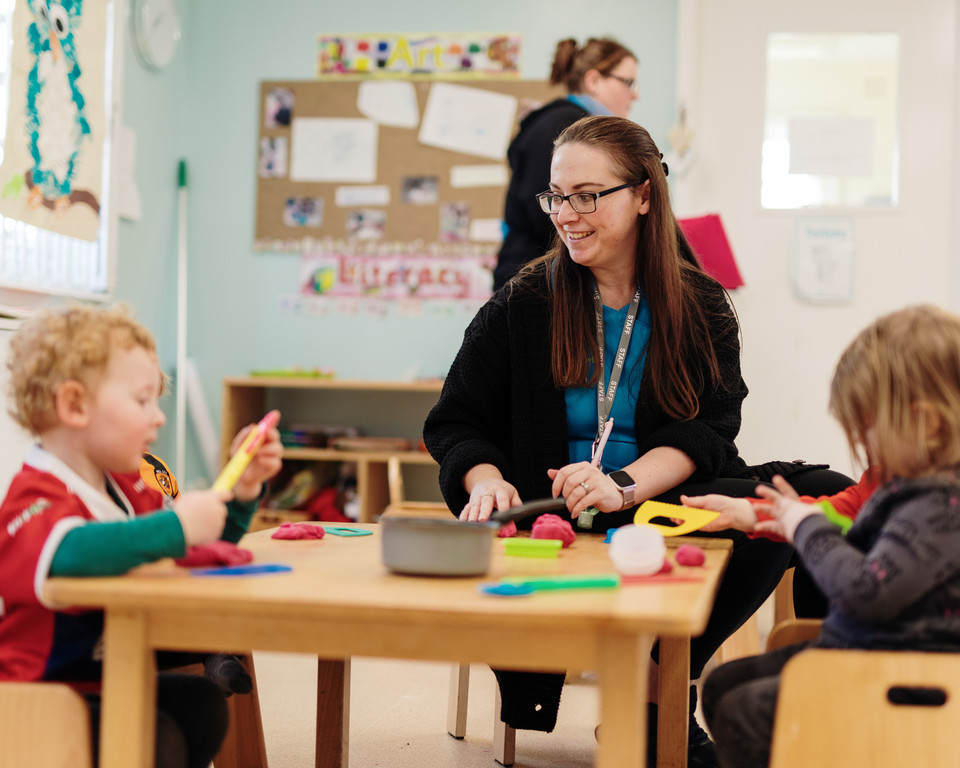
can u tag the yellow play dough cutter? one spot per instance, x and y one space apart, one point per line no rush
691 518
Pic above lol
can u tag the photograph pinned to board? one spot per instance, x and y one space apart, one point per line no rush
474 121
420 190
303 212
333 149
389 102
278 108
366 224
454 223
823 269
273 157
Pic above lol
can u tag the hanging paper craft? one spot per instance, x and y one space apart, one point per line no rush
51 172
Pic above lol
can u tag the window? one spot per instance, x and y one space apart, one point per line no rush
38 260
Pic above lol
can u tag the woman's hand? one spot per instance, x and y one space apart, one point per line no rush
487 497
264 465
734 513
785 507
584 485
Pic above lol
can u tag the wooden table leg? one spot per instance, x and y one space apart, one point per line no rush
333 713
623 695
129 706
674 705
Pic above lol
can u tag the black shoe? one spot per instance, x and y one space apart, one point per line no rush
701 752
228 673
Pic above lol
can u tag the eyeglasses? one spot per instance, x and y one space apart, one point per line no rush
627 81
581 202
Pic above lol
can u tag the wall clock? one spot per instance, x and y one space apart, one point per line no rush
156 31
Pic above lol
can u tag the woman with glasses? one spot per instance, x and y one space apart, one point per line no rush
600 78
617 324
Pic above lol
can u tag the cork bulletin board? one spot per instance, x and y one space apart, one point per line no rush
409 189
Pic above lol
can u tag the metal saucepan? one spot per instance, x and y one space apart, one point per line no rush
435 546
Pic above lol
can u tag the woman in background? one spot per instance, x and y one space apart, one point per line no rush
600 77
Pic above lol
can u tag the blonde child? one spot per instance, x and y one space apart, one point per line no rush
86 383
893 581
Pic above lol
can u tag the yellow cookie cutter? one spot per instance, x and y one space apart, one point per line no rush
691 518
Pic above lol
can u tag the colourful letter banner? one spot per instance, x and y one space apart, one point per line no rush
432 55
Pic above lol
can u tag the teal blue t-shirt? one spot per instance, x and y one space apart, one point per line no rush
581 402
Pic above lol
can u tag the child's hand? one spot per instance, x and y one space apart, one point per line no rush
264 465
202 515
734 513
785 506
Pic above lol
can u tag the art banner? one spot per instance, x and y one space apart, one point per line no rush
56 122
397 270
433 55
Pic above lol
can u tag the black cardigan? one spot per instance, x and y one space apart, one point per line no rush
499 404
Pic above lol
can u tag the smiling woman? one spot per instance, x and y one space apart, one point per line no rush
635 335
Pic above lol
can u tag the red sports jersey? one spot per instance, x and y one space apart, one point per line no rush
47 499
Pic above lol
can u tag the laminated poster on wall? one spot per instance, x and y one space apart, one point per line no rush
824 259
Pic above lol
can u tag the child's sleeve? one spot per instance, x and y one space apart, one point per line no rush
110 549
239 515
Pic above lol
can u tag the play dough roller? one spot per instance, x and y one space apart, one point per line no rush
245 453
691 518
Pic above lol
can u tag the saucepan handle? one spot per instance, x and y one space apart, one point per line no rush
538 507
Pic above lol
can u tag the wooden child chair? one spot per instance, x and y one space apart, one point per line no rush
836 707
44 725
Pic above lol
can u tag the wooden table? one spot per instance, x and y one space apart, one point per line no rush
339 601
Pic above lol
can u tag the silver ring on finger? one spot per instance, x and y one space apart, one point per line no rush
586 488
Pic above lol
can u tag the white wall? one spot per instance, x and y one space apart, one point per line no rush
903 255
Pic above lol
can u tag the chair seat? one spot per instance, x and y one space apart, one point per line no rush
45 725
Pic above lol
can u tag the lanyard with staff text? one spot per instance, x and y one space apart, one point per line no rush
605 398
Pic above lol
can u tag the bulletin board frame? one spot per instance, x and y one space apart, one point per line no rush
400 157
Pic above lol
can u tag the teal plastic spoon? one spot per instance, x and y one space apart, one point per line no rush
518 587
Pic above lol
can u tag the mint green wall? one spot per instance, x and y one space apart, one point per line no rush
204 107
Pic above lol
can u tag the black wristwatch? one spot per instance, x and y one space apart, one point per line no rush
627 486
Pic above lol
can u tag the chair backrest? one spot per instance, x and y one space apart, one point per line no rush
834 708
792 631
44 725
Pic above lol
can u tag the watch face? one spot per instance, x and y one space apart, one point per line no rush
623 479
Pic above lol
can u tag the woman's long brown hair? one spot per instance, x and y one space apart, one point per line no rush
681 345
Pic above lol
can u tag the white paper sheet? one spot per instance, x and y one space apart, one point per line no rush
824 255
469 120
333 149
832 146
486 230
389 103
351 197
463 176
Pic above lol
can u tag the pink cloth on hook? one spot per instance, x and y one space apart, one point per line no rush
298 531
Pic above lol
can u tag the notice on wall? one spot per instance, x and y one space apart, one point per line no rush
824 259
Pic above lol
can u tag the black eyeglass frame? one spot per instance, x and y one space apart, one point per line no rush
545 198
627 81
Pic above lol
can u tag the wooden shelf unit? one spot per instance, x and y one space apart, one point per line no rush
377 408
